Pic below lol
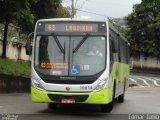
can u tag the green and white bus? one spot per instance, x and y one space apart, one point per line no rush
64 71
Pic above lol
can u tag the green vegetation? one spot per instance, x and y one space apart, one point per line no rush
10 67
144 28
24 14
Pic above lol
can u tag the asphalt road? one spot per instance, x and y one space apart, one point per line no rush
138 100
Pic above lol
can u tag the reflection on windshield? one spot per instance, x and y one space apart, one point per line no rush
80 43
70 56
86 60
50 53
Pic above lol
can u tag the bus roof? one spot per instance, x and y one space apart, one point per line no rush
117 32
71 19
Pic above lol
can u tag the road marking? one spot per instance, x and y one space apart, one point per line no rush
153 79
154 82
156 79
133 80
145 82
136 83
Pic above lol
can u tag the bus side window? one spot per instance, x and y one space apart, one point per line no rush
113 54
111 47
127 52
115 47
122 51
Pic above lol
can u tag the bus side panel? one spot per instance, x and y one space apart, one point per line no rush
113 77
123 76
127 70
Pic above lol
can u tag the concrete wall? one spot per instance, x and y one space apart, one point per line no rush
145 63
15 51
10 84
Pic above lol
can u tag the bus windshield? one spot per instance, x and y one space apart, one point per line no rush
70 55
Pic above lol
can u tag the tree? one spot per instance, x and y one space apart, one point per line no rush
25 13
13 10
43 9
62 12
144 28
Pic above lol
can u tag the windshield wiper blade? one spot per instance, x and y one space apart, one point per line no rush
64 56
80 43
58 43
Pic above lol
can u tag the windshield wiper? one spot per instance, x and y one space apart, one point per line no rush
64 56
58 43
80 43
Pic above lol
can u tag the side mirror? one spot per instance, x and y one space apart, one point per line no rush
28 45
28 48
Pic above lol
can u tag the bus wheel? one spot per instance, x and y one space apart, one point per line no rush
121 98
52 105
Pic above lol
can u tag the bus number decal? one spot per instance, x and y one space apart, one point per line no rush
86 87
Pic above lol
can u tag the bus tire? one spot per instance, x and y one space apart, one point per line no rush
121 98
108 107
52 105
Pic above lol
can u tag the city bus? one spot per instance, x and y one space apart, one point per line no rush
63 71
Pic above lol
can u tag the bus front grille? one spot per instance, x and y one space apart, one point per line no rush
77 98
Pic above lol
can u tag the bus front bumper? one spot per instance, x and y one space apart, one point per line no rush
100 97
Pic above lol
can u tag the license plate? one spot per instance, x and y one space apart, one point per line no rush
68 101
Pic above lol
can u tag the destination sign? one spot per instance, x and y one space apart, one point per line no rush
71 27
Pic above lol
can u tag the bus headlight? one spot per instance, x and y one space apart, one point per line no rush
37 84
101 84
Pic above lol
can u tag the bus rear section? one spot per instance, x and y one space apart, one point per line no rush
72 64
